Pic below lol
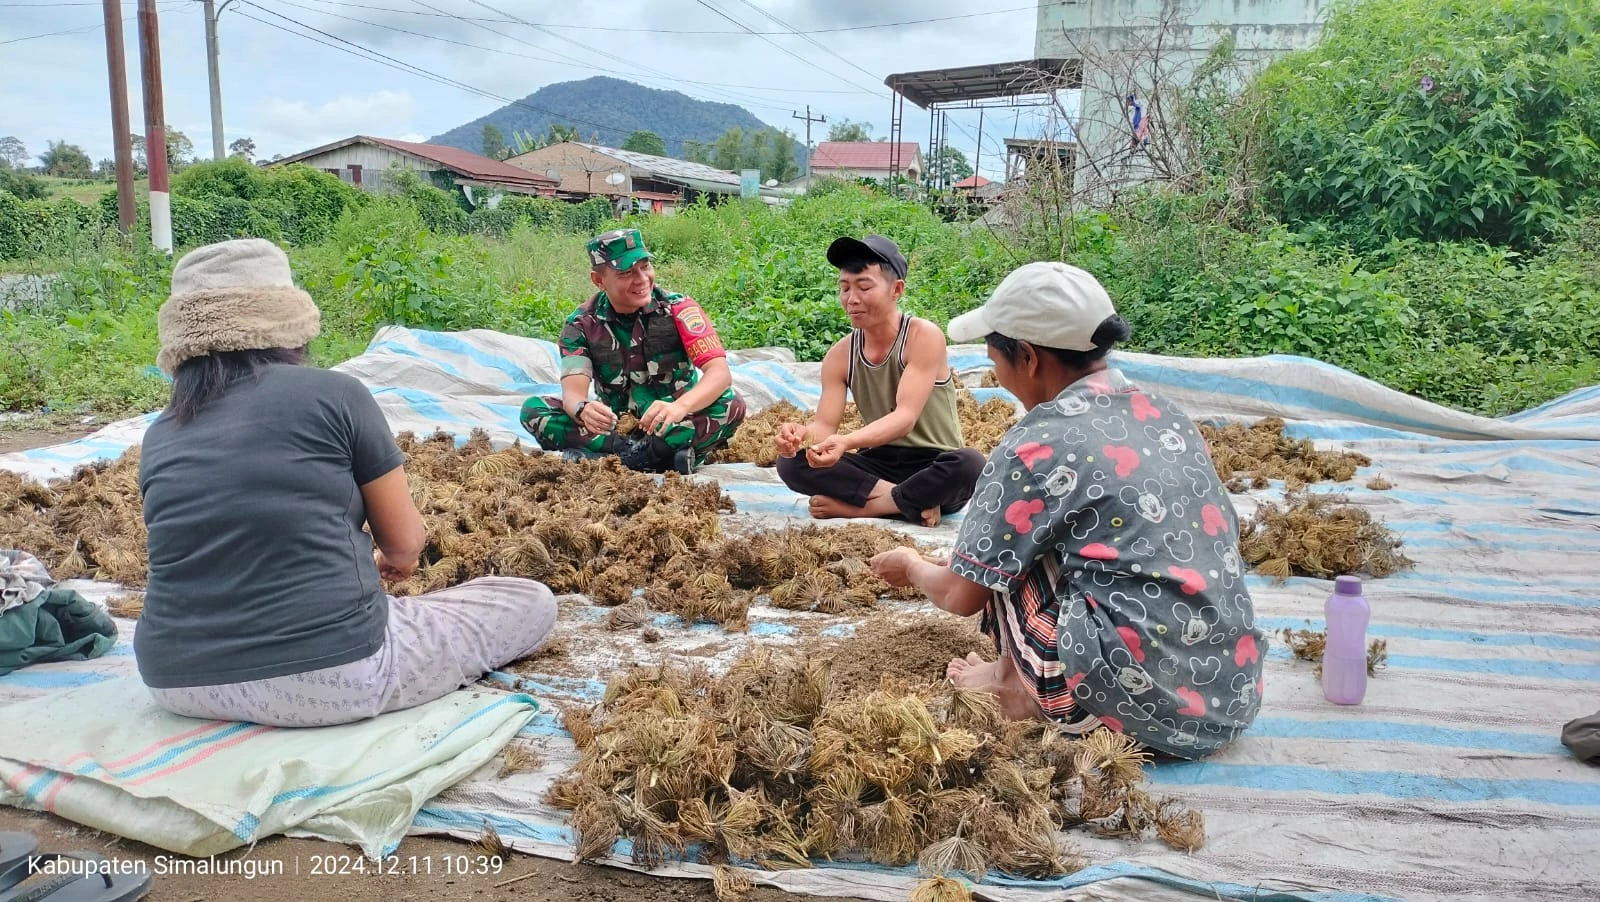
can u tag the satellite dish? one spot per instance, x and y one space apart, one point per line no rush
553 173
772 183
616 178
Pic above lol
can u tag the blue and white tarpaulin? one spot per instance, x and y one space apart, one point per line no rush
1448 782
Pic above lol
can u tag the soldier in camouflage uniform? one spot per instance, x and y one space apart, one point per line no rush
646 352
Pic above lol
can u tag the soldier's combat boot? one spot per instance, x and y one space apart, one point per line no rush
640 454
683 461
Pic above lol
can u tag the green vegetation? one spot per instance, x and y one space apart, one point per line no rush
1490 314
1438 120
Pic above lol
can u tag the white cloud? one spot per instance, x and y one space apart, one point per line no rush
295 123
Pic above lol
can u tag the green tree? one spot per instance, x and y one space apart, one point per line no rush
22 184
728 150
13 151
697 152
66 161
845 130
948 166
648 142
494 142
780 162
559 133
180 150
243 147
105 169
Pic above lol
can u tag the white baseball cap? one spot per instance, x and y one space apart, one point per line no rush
1048 305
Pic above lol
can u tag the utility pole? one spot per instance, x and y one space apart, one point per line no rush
122 133
809 119
155 127
218 152
977 156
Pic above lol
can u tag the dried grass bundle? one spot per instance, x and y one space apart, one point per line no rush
941 889
129 606
1311 645
1319 535
731 884
490 843
771 763
519 759
1263 452
1379 484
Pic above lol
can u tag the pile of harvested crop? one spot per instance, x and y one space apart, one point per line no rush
904 650
91 525
1249 456
1318 535
768 764
982 425
593 527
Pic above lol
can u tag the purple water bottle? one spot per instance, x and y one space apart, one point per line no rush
1344 663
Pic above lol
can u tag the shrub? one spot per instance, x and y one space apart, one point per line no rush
1438 119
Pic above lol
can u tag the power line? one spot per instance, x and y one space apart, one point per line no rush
613 28
748 30
590 49
542 59
469 20
667 76
402 66
809 39
51 34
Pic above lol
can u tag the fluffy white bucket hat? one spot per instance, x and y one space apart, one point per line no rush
233 296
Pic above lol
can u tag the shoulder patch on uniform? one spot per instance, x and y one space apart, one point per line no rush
690 315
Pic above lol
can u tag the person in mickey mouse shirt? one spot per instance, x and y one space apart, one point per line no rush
1100 545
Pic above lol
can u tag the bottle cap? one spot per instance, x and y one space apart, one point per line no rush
1347 585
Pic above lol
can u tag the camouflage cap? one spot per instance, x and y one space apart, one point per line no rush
621 248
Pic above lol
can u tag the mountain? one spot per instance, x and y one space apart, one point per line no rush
612 107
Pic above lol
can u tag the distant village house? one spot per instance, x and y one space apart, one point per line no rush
877 160
363 161
642 181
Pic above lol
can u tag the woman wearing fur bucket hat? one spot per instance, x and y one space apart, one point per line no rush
265 601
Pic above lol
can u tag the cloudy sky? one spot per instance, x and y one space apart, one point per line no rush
288 92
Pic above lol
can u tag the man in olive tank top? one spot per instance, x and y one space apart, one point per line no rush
909 458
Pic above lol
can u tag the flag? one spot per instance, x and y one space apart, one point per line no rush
1141 125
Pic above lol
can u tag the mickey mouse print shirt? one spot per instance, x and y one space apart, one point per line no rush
1108 539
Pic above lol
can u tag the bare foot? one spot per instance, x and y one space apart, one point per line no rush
973 672
879 504
825 508
1000 679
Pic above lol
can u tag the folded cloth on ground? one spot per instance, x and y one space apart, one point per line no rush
1582 736
106 757
56 625
22 578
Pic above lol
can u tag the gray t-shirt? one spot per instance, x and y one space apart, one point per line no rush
258 564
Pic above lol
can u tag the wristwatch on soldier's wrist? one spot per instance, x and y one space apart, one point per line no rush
578 413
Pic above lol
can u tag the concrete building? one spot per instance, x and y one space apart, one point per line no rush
878 160
1116 41
364 161
648 182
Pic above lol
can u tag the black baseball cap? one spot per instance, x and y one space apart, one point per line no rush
873 248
